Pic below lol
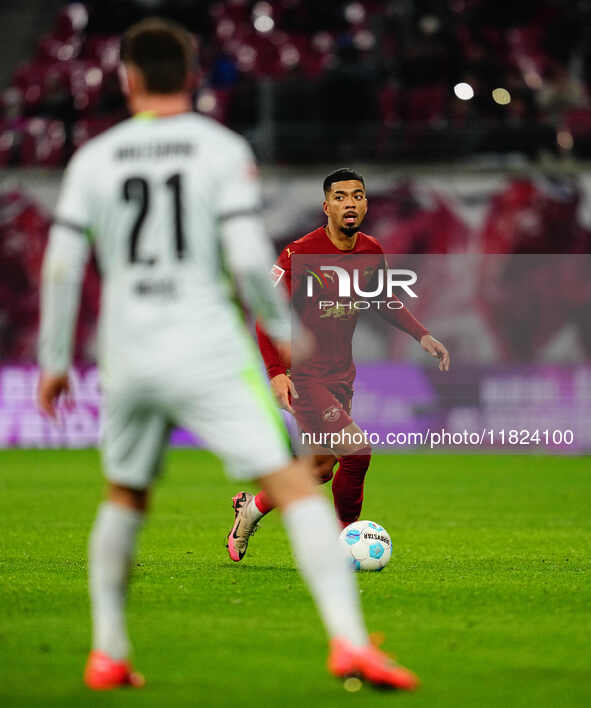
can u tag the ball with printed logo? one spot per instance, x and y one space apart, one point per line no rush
367 545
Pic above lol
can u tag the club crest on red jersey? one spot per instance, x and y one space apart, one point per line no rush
329 415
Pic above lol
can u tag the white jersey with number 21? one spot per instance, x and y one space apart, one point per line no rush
169 204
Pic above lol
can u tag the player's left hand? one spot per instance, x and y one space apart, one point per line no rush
435 348
51 387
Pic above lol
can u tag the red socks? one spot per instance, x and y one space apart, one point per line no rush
263 503
347 485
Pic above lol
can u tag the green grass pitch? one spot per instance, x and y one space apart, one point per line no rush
487 596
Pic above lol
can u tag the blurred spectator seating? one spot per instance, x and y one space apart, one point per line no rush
407 55
24 228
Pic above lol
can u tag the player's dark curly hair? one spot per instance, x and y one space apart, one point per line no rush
163 51
341 175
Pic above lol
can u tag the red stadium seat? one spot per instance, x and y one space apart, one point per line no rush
425 104
29 78
578 121
238 11
89 128
43 143
214 103
9 144
52 49
71 20
390 104
86 82
11 103
103 51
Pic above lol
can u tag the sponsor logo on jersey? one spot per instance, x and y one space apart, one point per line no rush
336 311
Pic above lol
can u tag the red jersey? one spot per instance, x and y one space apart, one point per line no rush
298 267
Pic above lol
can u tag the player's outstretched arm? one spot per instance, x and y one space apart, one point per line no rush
401 318
437 349
63 269
62 273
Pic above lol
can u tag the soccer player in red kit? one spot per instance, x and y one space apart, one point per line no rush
319 395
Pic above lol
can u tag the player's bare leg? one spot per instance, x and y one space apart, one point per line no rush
249 509
313 530
111 551
323 471
324 467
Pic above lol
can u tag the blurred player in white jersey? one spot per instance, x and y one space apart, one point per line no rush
162 198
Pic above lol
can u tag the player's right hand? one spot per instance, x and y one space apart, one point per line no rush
51 387
284 391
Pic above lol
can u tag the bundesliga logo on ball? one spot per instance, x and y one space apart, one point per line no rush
367 544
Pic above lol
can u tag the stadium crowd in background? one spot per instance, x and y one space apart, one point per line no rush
308 82
370 80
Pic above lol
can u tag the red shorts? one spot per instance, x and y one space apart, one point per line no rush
322 407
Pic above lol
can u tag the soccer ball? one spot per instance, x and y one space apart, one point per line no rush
367 544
